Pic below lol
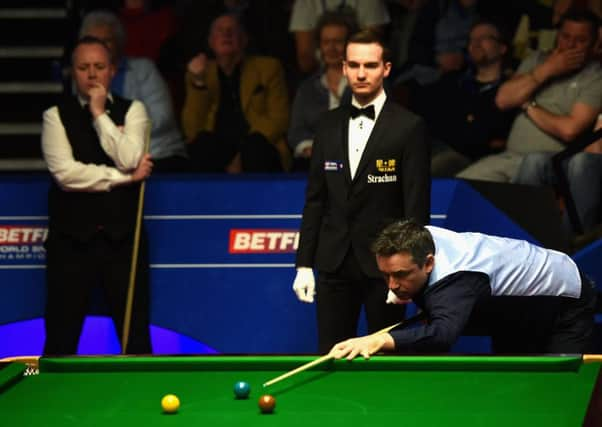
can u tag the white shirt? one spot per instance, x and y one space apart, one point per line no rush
515 267
360 129
124 145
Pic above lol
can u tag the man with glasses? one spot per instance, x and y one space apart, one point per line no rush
560 93
460 108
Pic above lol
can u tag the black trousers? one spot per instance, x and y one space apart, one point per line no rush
210 152
339 300
73 269
538 325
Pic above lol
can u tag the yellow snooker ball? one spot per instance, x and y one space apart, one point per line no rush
170 403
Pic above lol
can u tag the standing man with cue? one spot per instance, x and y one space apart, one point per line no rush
369 167
93 143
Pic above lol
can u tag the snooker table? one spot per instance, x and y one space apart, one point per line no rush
385 390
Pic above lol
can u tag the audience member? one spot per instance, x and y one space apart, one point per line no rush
148 29
560 94
464 120
440 36
93 144
584 176
324 90
538 25
265 23
437 45
369 14
236 109
138 78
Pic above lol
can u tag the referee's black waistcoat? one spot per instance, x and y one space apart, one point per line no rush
81 214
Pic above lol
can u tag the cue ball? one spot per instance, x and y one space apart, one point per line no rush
267 403
242 390
170 403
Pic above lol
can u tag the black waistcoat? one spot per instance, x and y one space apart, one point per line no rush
81 214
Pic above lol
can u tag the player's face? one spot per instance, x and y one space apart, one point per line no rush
403 276
577 36
332 45
91 65
365 70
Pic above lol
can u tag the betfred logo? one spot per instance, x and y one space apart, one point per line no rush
22 235
263 241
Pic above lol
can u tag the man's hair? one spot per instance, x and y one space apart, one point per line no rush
405 237
87 41
369 37
502 36
105 18
239 22
336 19
582 16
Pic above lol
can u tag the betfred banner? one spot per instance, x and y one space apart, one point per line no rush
22 243
263 241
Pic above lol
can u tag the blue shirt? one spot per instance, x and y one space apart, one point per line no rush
139 78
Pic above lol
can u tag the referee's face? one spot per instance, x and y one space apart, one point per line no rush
365 70
403 276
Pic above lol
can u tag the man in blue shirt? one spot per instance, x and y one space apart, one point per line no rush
529 299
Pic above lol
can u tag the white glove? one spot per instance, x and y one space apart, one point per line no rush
394 299
305 284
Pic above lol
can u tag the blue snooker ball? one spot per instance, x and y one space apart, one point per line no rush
242 390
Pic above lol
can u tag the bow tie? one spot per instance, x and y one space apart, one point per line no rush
368 112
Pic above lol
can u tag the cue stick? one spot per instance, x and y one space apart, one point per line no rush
329 356
125 336
592 358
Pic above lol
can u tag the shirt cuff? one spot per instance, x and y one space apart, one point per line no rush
117 178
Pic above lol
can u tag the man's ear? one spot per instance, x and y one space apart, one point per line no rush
429 263
388 67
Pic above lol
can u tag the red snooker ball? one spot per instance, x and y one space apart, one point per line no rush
267 403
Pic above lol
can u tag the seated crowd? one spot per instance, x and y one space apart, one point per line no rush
242 89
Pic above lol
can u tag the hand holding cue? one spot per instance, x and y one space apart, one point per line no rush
125 336
329 356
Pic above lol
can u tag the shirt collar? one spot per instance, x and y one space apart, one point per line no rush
340 89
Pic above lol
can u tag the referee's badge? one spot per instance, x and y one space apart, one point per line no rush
385 165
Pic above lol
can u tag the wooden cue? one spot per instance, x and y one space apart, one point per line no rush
592 358
125 336
329 356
